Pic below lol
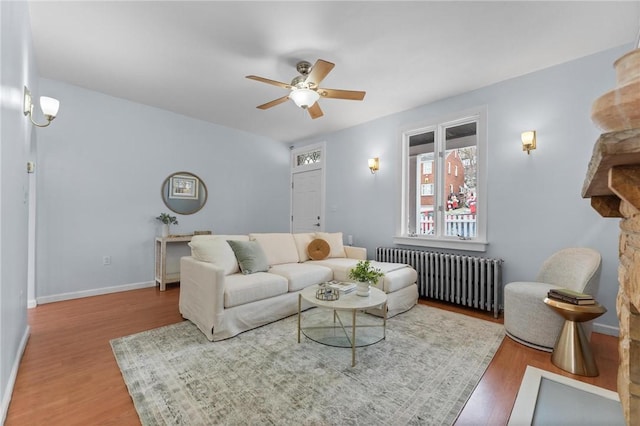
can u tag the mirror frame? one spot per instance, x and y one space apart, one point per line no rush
202 190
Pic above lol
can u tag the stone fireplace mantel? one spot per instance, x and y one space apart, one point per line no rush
613 184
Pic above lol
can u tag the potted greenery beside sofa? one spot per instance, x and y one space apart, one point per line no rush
365 275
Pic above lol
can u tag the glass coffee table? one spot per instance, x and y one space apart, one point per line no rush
355 329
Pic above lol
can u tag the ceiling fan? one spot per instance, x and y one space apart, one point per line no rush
304 88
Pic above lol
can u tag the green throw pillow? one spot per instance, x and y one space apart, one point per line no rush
250 255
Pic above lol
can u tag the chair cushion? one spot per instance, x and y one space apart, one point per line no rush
528 318
302 275
278 247
576 268
251 257
241 289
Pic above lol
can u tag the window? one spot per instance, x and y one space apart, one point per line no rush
427 189
310 157
440 208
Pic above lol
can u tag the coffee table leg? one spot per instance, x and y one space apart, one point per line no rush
353 340
384 322
299 308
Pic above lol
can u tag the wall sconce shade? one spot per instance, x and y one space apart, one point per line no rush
304 98
528 140
374 164
49 106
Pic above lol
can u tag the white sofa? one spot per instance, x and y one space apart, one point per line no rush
222 301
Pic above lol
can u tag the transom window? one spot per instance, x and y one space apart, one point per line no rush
310 157
443 184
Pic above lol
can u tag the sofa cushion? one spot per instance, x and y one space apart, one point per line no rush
251 257
398 279
339 266
302 242
278 247
241 289
215 249
335 242
396 275
302 275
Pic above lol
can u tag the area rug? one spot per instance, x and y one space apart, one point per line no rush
423 373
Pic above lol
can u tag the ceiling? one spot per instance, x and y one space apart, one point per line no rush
192 57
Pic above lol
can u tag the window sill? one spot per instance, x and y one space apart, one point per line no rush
467 245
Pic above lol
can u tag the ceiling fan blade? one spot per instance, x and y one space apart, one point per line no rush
273 82
315 111
318 72
351 95
274 102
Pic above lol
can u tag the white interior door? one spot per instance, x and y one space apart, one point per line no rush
306 206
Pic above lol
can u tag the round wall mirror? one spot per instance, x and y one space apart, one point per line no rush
184 193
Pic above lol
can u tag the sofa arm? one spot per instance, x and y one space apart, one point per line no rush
201 294
359 253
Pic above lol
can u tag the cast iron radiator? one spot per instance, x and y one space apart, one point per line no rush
470 281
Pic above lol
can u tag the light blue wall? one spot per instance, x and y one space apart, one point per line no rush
535 204
101 164
100 168
17 142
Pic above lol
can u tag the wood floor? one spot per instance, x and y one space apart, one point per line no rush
68 375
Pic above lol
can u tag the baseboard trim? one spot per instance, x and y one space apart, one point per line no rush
8 392
606 329
94 292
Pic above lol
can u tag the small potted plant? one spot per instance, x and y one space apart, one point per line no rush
167 220
365 275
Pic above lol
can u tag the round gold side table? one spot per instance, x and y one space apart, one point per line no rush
572 352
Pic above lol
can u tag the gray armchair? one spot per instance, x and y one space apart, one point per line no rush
527 319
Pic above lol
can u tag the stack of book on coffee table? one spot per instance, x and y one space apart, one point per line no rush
342 287
570 296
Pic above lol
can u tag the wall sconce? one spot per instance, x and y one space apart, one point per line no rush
528 140
374 165
48 105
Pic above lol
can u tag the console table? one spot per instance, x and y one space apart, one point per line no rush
162 278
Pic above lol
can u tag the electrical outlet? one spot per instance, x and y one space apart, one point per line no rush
106 260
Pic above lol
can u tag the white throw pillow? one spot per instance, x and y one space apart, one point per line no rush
302 242
335 242
214 249
279 247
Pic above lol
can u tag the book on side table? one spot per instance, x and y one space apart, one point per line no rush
570 296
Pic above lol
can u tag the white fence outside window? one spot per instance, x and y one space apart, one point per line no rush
461 225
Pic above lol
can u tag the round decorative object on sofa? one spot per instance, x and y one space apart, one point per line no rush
527 319
318 249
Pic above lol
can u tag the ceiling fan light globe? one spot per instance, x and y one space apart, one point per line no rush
304 98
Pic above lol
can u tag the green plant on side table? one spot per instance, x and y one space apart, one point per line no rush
167 220
365 275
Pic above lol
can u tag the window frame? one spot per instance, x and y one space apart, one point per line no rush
479 242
